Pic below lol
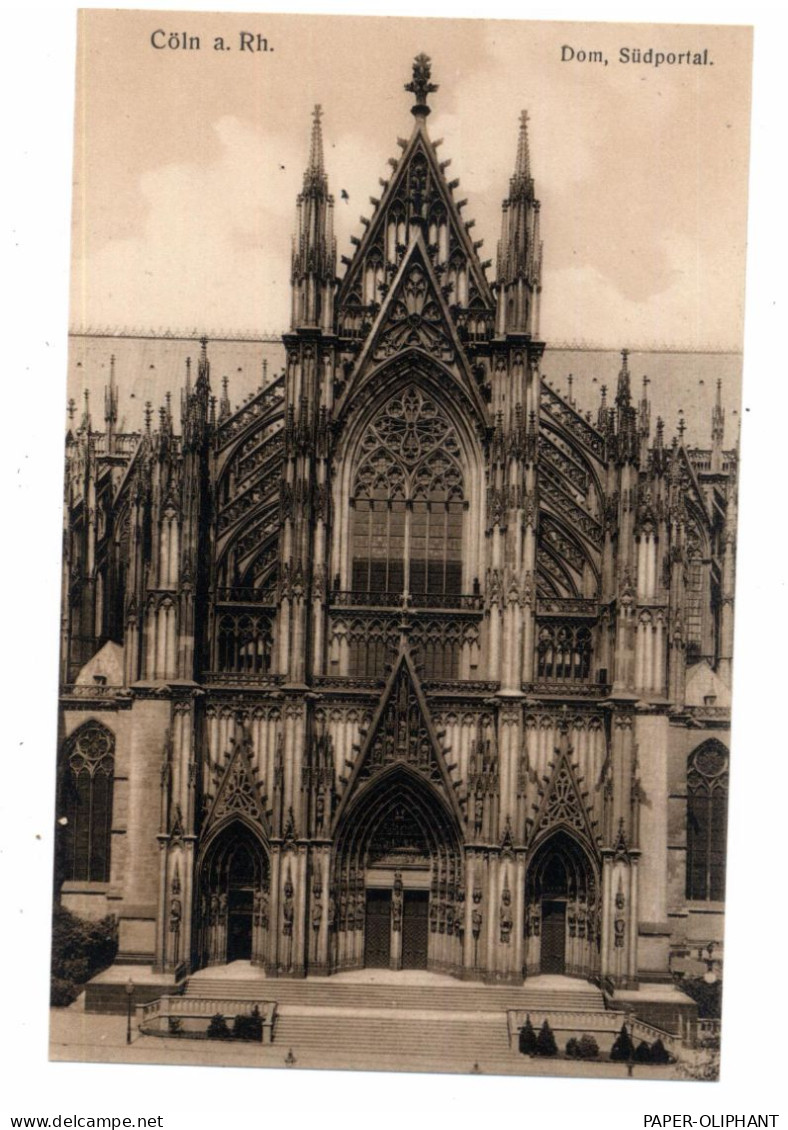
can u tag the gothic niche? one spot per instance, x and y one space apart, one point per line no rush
562 911
234 898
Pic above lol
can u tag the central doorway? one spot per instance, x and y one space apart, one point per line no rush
379 927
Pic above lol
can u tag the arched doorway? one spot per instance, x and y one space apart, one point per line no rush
398 885
562 911
234 893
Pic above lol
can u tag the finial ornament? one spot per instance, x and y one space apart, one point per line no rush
316 167
522 166
420 85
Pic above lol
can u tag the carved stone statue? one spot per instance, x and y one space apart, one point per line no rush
288 910
618 928
396 903
505 916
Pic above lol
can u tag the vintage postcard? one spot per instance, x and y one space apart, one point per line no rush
400 530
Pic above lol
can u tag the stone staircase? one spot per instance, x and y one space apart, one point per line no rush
400 1026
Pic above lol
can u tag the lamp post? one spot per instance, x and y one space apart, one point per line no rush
129 999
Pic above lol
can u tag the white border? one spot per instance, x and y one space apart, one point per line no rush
37 75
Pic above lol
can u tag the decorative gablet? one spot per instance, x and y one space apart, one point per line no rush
420 85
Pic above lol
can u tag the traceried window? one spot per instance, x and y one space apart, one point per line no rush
408 502
563 652
87 796
244 643
707 815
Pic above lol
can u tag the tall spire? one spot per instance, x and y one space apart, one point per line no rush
420 86
644 423
522 165
225 408
717 430
623 389
626 414
203 368
87 422
314 246
111 406
315 173
519 271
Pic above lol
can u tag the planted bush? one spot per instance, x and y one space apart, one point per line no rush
643 1052
218 1029
589 1048
572 1048
545 1041
623 1049
80 950
708 997
527 1042
659 1053
249 1027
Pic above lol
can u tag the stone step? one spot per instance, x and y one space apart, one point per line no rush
391 1041
461 998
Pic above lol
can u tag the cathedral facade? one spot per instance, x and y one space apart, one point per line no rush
406 662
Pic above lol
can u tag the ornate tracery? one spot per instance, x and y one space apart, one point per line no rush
408 501
87 795
707 815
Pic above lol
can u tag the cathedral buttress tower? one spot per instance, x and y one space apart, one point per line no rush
513 503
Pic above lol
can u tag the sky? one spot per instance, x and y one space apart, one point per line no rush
188 163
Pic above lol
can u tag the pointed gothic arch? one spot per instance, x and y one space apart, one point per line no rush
398 874
562 921
86 794
707 818
409 481
234 891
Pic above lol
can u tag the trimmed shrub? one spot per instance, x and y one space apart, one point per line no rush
174 1025
643 1052
545 1041
623 1049
659 1053
708 997
62 993
572 1048
80 950
218 1029
527 1042
249 1027
589 1048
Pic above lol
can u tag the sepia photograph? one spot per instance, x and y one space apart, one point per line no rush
402 461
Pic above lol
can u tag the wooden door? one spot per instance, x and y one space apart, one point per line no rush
377 932
553 937
415 929
239 926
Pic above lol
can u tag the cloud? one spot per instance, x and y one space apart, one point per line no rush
212 246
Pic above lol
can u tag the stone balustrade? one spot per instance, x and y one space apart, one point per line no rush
195 1013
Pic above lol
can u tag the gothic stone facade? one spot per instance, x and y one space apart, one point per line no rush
406 662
